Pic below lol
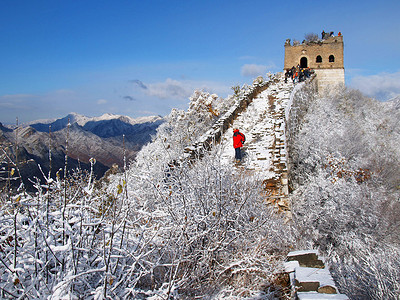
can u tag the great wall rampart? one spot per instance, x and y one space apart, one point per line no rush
214 134
281 112
278 110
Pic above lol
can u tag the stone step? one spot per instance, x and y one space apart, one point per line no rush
319 296
306 258
314 280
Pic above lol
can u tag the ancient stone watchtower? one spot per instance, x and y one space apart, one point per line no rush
324 56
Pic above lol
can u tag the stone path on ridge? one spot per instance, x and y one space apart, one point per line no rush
263 124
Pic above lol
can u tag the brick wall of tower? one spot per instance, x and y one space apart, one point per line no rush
328 71
325 48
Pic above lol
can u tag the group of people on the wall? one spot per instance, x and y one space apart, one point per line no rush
326 35
298 74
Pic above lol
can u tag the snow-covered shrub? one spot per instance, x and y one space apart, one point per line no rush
70 241
220 233
9 171
376 273
311 37
183 128
344 168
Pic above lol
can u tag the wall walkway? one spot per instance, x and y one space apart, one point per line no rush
270 115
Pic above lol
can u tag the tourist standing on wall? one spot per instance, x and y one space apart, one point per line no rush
238 140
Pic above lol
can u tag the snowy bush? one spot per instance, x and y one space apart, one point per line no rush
197 230
164 228
344 160
311 37
218 230
376 274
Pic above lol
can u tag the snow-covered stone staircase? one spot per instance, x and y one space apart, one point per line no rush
263 123
261 115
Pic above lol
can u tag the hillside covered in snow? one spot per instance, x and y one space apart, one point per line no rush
181 226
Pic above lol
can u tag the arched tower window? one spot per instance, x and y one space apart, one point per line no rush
303 62
331 58
319 59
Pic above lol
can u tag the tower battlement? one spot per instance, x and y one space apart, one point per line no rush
324 56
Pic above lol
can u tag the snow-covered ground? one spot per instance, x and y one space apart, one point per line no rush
258 123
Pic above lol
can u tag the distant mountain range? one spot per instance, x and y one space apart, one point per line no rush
104 138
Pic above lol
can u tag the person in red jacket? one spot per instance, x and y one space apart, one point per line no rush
238 140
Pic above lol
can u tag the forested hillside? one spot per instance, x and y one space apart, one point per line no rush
345 172
172 227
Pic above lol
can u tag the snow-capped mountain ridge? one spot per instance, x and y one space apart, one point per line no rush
109 139
81 120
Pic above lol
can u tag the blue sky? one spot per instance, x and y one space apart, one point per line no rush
142 58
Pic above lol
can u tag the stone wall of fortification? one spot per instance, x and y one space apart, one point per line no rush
325 49
325 57
327 78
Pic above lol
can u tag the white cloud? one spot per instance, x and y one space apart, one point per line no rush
169 89
101 101
17 101
182 89
383 86
129 97
17 96
28 107
253 70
